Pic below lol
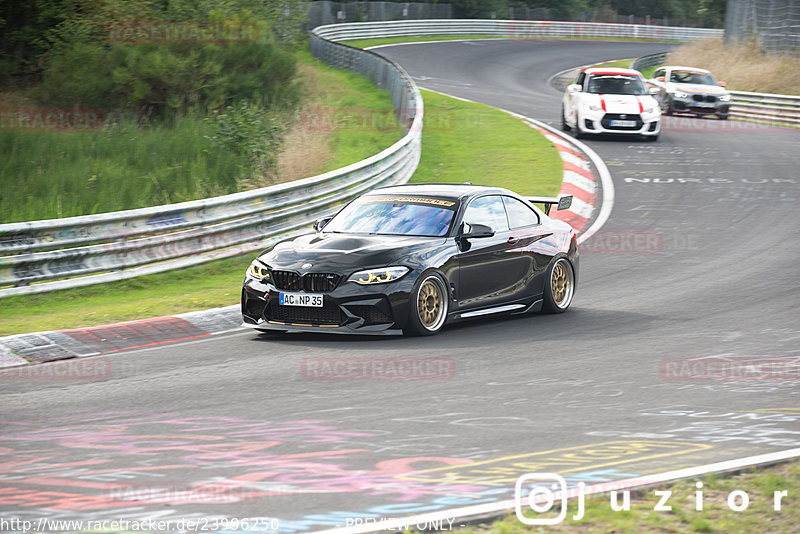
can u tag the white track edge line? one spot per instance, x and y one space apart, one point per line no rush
496 508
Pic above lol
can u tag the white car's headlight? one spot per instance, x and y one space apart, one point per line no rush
591 107
258 272
650 109
680 94
725 98
378 276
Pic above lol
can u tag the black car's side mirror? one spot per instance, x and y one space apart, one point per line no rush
319 224
475 231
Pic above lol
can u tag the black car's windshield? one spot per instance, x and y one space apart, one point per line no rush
395 215
617 85
685 76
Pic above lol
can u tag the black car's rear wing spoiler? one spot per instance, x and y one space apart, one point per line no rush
563 202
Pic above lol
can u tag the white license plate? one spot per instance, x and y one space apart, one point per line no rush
623 124
300 299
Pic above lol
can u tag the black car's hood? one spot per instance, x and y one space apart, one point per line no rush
345 253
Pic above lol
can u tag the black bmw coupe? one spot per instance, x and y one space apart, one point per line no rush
413 258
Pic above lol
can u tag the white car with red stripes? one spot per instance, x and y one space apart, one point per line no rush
606 100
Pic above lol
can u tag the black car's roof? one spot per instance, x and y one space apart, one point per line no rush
453 191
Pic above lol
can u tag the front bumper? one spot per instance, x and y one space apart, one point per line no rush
648 124
699 104
349 309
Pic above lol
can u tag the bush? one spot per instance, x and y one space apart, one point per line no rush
155 59
152 79
247 129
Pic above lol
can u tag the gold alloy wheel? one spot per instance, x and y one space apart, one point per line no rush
430 304
561 284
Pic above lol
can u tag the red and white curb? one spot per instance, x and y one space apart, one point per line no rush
579 181
41 347
604 185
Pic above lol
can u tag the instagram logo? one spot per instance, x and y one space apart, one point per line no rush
538 492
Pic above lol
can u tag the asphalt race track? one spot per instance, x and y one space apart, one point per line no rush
259 424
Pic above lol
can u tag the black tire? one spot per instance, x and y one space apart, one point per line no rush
559 286
651 138
428 305
564 126
723 116
578 133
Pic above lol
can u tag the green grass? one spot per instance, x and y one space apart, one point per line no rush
715 516
648 72
50 174
461 142
196 288
367 43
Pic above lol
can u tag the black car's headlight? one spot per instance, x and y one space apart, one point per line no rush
257 271
378 276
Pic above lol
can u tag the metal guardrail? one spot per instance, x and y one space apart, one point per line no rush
77 251
54 254
652 60
779 110
520 29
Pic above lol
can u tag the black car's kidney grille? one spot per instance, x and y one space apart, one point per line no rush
706 98
608 117
329 314
287 280
310 282
320 282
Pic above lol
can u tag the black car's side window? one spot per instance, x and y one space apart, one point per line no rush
520 215
660 72
488 210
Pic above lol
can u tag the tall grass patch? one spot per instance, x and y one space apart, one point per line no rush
744 67
51 174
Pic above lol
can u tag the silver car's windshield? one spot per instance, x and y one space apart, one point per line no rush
685 76
617 84
395 215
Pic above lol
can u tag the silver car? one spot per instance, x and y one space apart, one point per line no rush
689 90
